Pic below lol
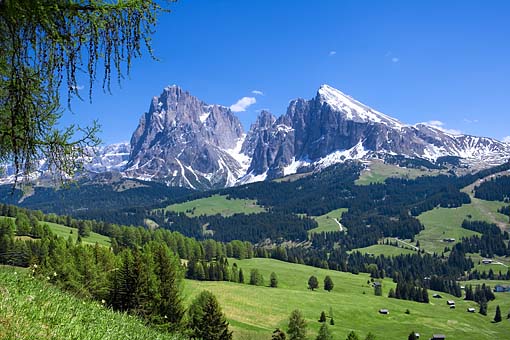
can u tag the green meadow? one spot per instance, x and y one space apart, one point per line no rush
66 232
327 221
216 204
378 172
441 223
255 311
386 250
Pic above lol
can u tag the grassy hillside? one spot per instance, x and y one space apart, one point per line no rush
327 221
443 223
254 312
64 231
386 250
216 204
30 309
378 172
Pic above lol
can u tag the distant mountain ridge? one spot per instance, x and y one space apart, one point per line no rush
183 141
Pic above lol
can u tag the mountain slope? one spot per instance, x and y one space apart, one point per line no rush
333 127
186 142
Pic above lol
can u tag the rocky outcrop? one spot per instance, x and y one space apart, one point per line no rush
186 142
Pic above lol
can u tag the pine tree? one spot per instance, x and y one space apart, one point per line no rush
313 283
352 336
169 305
332 321
370 336
206 321
322 318
324 333
497 317
273 280
297 326
241 276
328 283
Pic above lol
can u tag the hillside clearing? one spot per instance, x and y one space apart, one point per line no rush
329 221
216 204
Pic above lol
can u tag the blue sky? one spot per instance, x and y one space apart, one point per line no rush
418 61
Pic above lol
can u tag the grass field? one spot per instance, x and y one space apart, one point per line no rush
378 172
503 263
386 250
31 309
254 312
327 221
443 223
64 231
216 204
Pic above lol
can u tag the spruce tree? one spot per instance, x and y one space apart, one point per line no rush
370 336
273 280
352 336
324 333
297 326
328 283
169 305
313 283
322 318
497 317
205 319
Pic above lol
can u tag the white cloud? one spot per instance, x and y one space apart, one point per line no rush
258 92
441 126
77 87
242 104
395 60
506 139
332 53
470 121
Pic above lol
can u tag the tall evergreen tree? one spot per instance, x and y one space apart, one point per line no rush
497 317
352 336
206 321
324 333
273 280
322 318
297 326
328 283
313 283
169 304
370 336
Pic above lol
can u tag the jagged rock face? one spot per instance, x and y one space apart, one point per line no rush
333 127
186 142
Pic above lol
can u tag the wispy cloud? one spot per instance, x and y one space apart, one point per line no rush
332 53
441 126
470 121
506 139
395 60
257 92
242 104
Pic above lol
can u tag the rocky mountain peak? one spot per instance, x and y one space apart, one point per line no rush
183 141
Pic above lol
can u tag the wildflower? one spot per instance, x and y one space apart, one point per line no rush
54 273
47 277
103 301
30 298
35 266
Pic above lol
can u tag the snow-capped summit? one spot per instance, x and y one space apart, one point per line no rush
353 109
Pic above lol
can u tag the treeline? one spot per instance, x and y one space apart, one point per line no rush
273 225
407 291
492 242
495 189
86 200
